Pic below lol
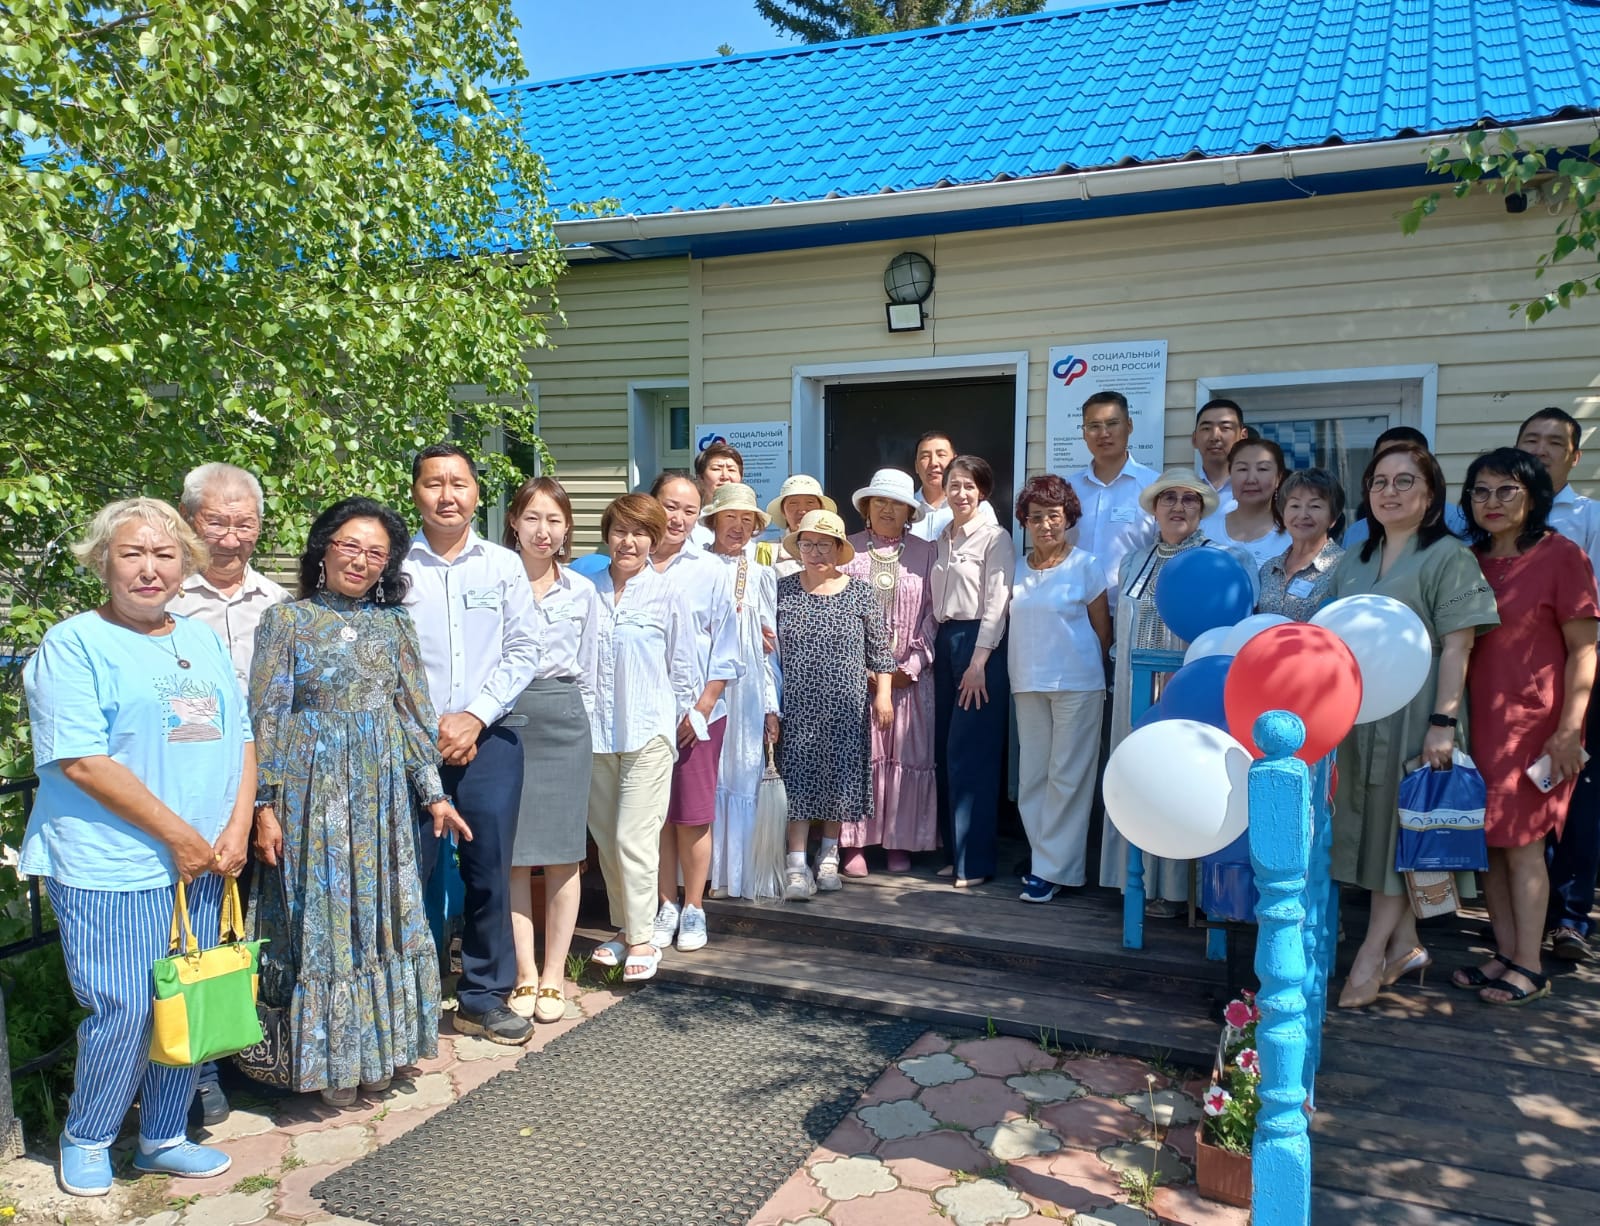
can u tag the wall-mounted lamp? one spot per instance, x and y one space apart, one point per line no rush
908 281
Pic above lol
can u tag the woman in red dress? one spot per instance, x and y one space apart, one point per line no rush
1528 687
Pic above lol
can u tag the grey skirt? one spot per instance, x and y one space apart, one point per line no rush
552 823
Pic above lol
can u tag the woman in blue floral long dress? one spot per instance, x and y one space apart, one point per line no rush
345 738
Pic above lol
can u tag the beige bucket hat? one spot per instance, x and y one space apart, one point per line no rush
893 484
735 497
822 523
1179 479
798 484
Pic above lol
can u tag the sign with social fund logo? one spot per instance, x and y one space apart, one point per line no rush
1137 369
764 446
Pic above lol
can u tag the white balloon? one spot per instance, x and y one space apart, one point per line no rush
1242 632
1391 647
1178 789
1207 643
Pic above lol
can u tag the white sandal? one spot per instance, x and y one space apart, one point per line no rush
649 961
610 954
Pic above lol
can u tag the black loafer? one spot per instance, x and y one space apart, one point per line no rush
498 1025
213 1103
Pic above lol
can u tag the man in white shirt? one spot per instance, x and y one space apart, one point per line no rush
474 614
1113 522
1552 437
224 506
1217 427
934 453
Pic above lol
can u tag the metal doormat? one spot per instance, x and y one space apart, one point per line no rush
678 1106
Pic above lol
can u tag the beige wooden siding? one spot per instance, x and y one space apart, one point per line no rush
1317 284
626 323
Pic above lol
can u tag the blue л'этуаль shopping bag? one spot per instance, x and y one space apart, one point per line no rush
1441 819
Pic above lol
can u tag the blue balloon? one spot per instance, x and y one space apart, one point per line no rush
1202 589
1195 691
1152 715
590 563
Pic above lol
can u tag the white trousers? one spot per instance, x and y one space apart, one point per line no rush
628 794
1058 733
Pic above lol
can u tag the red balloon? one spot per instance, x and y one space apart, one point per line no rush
1296 667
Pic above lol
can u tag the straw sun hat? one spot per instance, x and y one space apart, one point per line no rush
820 523
798 484
1179 479
735 497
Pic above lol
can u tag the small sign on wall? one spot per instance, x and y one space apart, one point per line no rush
764 446
1137 369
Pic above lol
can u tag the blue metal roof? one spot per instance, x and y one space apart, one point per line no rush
1087 88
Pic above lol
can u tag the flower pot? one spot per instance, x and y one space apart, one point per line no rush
1221 1174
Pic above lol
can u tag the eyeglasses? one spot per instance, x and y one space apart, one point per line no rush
1105 427
1500 493
1400 484
350 549
1172 498
816 546
1045 518
214 529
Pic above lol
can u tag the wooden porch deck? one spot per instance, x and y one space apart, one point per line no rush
1433 1108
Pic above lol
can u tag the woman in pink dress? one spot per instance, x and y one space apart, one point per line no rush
1528 688
896 565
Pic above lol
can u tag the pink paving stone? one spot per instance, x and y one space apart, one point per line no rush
799 1197
1182 1139
977 1102
850 1137
1091 1123
468 1077
1112 1075
886 1209
1083 1169
545 1033
1005 1056
594 1000
308 1113
1184 1206
891 1085
1042 1187
930 1161
398 1123
294 1193
257 1155
438 1064
929 1044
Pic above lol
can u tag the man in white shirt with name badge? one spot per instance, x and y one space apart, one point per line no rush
1551 436
474 614
1113 523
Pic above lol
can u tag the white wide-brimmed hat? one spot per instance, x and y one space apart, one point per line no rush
822 523
734 497
1179 479
798 484
893 484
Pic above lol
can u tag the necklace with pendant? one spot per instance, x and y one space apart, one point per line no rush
883 573
171 646
347 632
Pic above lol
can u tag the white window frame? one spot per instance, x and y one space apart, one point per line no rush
645 426
808 392
1419 402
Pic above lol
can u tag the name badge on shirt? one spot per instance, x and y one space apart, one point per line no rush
1122 515
483 598
1301 588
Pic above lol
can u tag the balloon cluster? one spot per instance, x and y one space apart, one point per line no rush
1176 785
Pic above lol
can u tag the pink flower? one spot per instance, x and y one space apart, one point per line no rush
1249 1061
1247 995
1238 1014
1216 1100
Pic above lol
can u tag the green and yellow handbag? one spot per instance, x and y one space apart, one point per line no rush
205 999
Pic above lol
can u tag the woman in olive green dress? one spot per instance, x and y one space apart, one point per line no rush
1410 556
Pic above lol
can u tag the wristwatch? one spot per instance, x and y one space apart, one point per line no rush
1441 721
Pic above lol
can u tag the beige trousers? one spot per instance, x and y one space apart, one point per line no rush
628 794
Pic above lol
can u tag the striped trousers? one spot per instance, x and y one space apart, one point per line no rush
109 938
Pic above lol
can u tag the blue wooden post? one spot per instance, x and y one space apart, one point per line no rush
1322 917
1280 850
1145 667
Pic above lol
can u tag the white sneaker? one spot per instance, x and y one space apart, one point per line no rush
798 885
692 930
828 874
666 925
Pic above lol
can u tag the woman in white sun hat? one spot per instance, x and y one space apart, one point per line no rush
835 653
734 519
896 566
797 496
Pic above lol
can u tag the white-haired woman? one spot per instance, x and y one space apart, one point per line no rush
147 775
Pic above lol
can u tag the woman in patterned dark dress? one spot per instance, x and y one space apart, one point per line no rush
831 639
344 737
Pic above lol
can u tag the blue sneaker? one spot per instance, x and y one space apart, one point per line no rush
1037 889
84 1171
185 1159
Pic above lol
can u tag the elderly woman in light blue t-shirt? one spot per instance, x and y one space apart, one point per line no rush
147 774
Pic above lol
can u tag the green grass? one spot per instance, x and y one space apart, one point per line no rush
255 1183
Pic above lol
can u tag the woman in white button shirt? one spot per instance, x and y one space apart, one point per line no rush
644 688
553 715
1060 634
707 588
1255 470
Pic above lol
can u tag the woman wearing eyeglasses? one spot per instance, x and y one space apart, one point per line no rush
1528 691
1410 556
344 738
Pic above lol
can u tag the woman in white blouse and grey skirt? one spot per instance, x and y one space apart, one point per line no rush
971 590
553 714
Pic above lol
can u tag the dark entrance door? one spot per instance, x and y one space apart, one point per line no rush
869 426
